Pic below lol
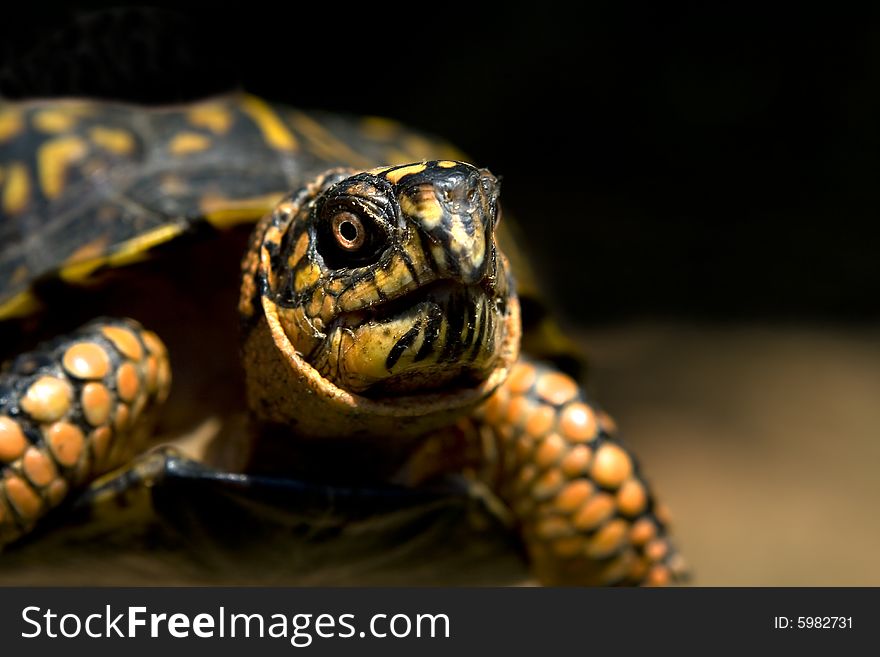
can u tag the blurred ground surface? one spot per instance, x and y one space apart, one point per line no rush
765 442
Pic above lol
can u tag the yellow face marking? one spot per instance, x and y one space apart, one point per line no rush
396 277
53 158
274 131
215 118
396 175
325 144
361 295
188 142
114 140
17 190
439 255
307 277
53 121
225 212
11 124
336 285
424 207
299 250
133 250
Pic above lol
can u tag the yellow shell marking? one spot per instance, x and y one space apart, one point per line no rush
274 131
215 118
127 252
397 157
378 127
419 147
324 143
188 142
396 175
20 305
53 121
114 140
53 158
11 124
223 212
17 190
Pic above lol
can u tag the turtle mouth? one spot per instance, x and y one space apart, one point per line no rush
443 293
442 335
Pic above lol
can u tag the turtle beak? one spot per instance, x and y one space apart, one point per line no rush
456 213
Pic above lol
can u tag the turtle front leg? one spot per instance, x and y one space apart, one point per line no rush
71 410
586 513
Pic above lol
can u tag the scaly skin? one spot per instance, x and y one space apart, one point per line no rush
584 510
72 410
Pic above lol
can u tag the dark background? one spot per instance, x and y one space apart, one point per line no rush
710 163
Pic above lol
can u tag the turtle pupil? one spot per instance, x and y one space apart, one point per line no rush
348 231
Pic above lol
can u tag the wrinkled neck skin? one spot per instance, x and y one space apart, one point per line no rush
410 333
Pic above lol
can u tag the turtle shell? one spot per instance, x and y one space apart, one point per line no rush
87 187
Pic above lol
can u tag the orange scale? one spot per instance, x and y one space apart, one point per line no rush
66 442
548 485
47 399
540 420
594 512
23 498
573 495
96 403
658 576
127 382
556 388
38 467
577 422
632 498
521 378
576 461
12 440
608 539
549 451
86 360
57 491
611 466
125 341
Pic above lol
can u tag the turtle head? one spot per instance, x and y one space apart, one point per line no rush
389 283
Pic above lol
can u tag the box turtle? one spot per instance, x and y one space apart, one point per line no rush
361 355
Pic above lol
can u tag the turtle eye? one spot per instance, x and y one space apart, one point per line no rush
348 236
348 231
